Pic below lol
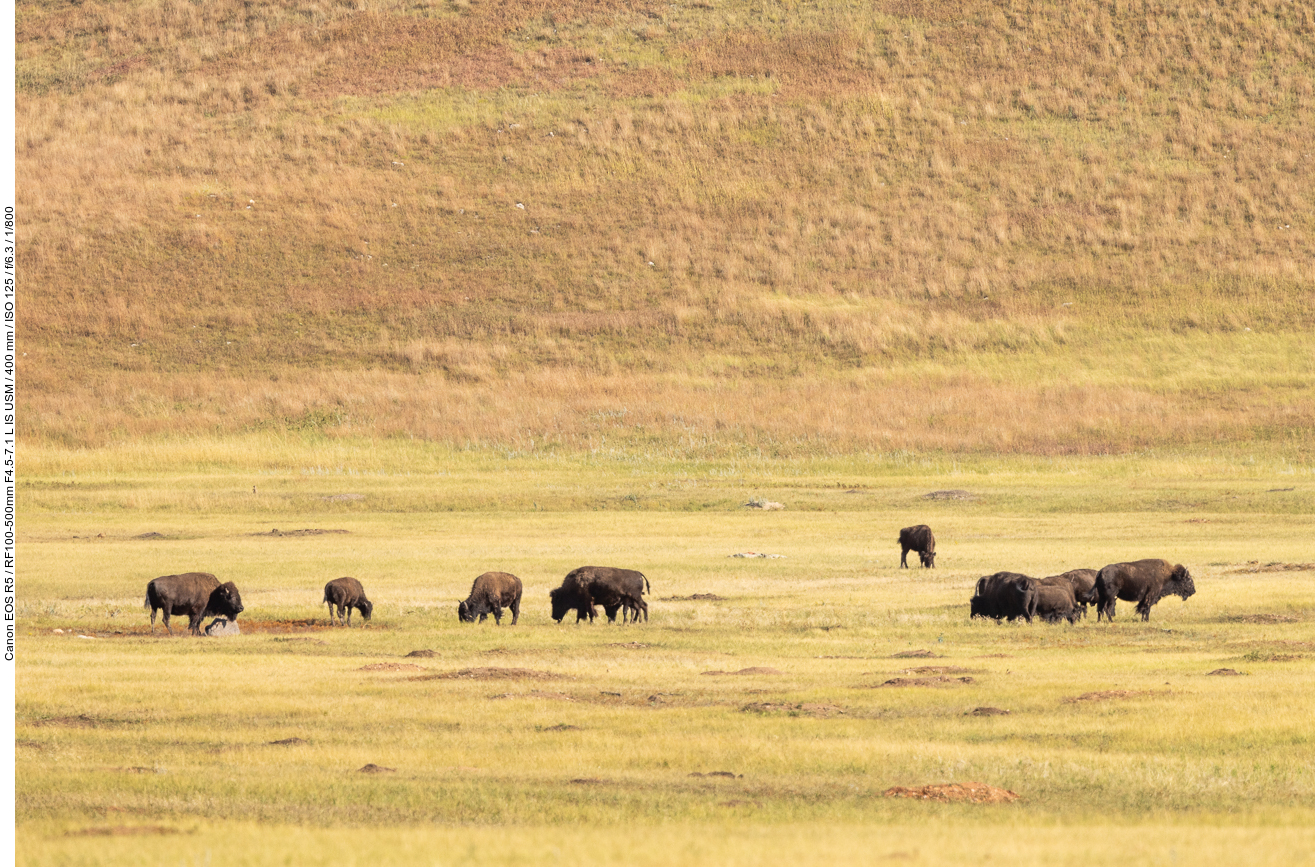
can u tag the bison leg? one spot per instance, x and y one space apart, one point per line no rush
515 612
497 613
904 559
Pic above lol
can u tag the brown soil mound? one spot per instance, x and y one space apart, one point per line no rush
939 680
1109 694
745 671
495 674
287 742
1225 672
372 768
973 793
123 831
936 669
422 654
390 666
915 654
821 711
987 711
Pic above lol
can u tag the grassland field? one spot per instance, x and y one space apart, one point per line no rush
546 743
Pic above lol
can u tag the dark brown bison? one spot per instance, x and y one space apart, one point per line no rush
920 539
614 589
1005 595
344 594
1083 582
1144 582
197 594
488 595
1055 602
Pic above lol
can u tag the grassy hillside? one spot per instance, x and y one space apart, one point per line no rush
1018 227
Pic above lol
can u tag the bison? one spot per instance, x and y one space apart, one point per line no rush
197 594
1083 583
614 589
344 594
1005 594
1055 602
1144 582
920 539
488 595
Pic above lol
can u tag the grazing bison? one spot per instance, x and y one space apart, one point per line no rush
1005 594
920 539
1083 582
614 589
488 595
197 594
344 594
1144 582
1055 602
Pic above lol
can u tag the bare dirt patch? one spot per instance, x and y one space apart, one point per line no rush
915 654
937 680
1113 694
493 673
372 768
628 645
124 831
1224 672
283 627
151 535
1256 566
560 727
972 793
818 711
307 532
937 669
697 597
730 775
422 654
987 711
745 671
950 495
1258 618
288 742
390 666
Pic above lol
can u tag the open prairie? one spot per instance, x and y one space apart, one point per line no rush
760 715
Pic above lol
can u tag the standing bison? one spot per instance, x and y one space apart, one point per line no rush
1055 601
1142 581
614 589
1005 595
1083 584
344 594
197 594
920 539
488 595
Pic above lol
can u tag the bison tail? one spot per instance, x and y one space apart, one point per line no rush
648 587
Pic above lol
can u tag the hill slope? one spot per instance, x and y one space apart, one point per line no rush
1029 227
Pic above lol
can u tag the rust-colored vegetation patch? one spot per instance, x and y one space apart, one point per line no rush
1113 694
818 711
972 793
124 831
390 666
494 673
756 670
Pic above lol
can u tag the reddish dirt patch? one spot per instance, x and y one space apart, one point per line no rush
972 793
123 831
819 711
495 674
1111 694
390 666
938 680
745 671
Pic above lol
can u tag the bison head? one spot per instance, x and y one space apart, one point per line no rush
1180 583
225 601
561 603
366 607
928 558
464 614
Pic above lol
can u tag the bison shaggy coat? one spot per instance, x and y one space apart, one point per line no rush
1055 602
1005 595
490 593
920 539
614 589
197 594
344 594
1142 581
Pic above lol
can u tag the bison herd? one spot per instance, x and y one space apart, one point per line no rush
1002 596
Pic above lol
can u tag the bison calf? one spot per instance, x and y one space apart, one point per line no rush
1083 584
1142 581
197 594
488 595
920 539
1055 602
614 589
344 594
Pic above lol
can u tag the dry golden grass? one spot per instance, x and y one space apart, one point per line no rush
525 205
